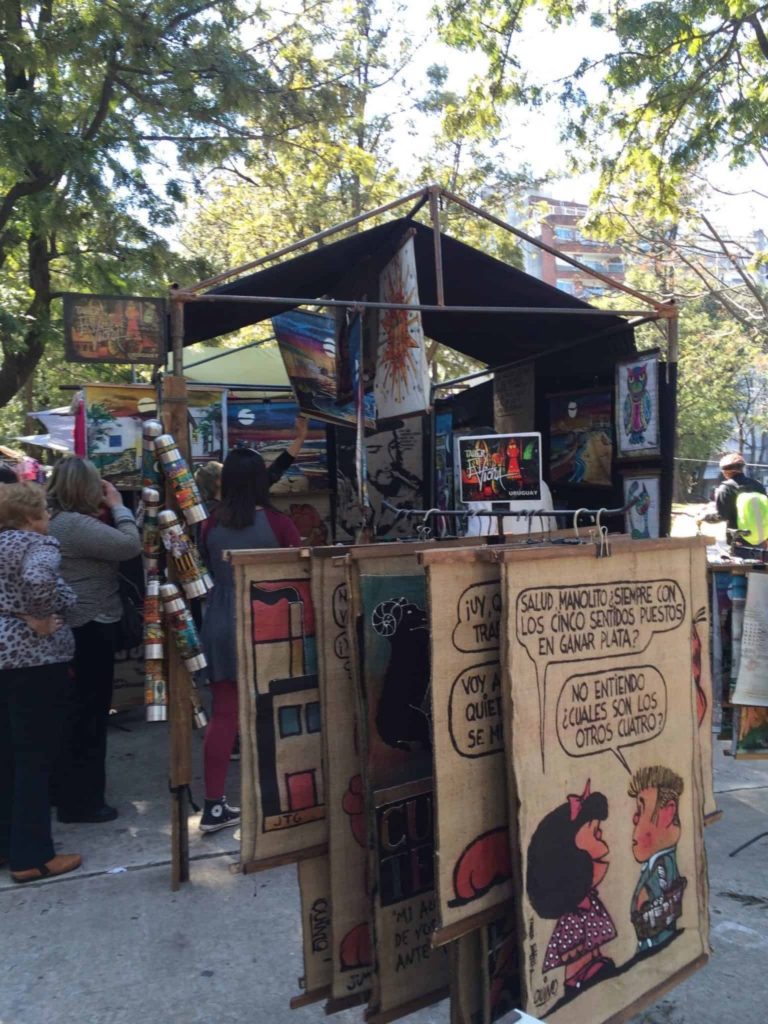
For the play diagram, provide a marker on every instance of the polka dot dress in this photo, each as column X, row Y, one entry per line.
column 585, row 928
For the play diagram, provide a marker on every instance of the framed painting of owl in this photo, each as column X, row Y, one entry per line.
column 637, row 407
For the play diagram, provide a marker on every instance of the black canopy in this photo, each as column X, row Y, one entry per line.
column 471, row 277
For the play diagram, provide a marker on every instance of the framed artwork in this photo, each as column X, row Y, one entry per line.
column 637, row 406
column 113, row 417
column 402, row 385
column 208, row 425
column 642, row 492
column 499, row 467
column 580, row 438
column 268, row 427
column 115, row 329
column 308, row 347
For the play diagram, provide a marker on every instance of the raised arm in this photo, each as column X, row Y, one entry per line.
column 94, row 539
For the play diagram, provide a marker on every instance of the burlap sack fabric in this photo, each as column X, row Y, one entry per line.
column 315, row 894
column 473, row 870
column 389, row 640
column 283, row 800
column 345, row 796
column 605, row 776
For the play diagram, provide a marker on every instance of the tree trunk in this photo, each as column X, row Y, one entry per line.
column 19, row 363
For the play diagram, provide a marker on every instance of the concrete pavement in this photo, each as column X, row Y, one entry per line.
column 112, row 947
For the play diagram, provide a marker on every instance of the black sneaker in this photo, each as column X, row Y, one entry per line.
column 217, row 814
column 235, row 755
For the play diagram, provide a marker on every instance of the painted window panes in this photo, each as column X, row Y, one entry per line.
column 313, row 716
column 290, row 720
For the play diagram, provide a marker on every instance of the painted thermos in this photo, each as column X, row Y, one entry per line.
column 154, row 635
column 150, row 531
column 181, row 626
column 155, row 691
column 192, row 574
column 177, row 473
column 150, row 471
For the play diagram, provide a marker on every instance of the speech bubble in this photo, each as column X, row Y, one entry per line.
column 592, row 621
column 478, row 618
column 611, row 709
column 475, row 718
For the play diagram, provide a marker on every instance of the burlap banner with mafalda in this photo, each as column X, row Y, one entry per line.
column 606, row 782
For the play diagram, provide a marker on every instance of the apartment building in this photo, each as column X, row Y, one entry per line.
column 556, row 222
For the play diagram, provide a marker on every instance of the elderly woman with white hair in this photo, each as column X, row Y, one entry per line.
column 35, row 649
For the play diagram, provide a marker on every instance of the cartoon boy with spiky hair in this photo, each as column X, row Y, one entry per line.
column 657, row 901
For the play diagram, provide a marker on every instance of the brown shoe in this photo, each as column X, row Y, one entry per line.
column 58, row 865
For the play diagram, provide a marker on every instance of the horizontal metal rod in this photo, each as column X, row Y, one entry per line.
column 294, row 300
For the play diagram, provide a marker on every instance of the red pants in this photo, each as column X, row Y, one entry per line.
column 220, row 738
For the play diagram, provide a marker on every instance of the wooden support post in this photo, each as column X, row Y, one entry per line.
column 174, row 409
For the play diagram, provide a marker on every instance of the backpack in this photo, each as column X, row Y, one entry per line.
column 752, row 516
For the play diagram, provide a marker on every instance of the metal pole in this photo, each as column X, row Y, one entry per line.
column 317, row 237
column 669, row 422
column 550, row 249
column 303, row 300
column 434, row 214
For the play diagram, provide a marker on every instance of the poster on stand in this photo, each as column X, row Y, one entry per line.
column 269, row 426
column 473, row 864
column 402, row 384
column 642, row 498
column 208, row 425
column 352, row 954
column 606, row 763
column 115, row 329
column 283, row 805
column 499, row 467
column 113, row 417
column 411, row 973
column 396, row 474
column 581, row 438
column 308, row 347
column 315, row 895
column 637, row 407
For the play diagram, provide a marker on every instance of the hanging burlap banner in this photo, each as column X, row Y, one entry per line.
column 347, row 822
column 389, row 641
column 315, row 893
column 411, row 973
column 473, row 864
column 605, row 778
column 283, row 801
column 701, row 669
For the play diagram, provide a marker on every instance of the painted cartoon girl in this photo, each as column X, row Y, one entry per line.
column 567, row 861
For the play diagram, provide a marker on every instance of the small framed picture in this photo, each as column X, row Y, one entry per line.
column 581, row 438
column 637, row 407
column 642, row 497
column 115, row 329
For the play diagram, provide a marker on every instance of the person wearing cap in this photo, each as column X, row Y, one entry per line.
column 736, row 482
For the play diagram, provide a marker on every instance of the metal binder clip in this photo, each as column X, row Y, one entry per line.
column 603, row 547
column 576, row 515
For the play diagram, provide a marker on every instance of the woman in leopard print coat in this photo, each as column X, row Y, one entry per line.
column 35, row 648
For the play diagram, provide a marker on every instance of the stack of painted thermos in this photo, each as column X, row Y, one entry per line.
column 166, row 611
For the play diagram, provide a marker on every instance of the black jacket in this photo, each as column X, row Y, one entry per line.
column 728, row 491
